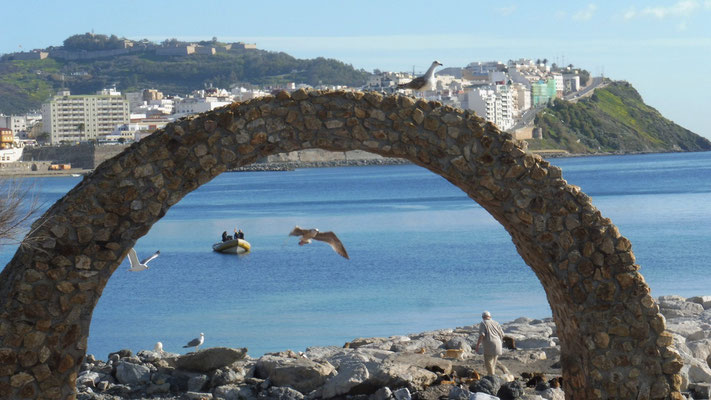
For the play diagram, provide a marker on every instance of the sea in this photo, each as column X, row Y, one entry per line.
column 423, row 255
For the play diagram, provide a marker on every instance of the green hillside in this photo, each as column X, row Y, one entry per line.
column 25, row 84
column 613, row 120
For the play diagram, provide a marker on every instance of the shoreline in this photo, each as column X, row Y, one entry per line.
column 424, row 366
column 292, row 165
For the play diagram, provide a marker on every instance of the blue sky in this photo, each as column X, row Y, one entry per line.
column 662, row 47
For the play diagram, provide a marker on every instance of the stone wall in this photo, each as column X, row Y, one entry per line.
column 613, row 339
column 86, row 156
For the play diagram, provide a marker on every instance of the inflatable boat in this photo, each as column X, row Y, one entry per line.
column 237, row 246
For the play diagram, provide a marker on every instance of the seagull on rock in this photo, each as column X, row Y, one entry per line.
column 328, row 237
column 139, row 266
column 196, row 342
column 424, row 82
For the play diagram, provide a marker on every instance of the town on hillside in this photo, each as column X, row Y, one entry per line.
column 507, row 94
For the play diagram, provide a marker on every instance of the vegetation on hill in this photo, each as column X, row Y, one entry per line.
column 25, row 84
column 613, row 120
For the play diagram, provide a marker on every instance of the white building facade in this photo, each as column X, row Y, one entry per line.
column 493, row 103
column 80, row 118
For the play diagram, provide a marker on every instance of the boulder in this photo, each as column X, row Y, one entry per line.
column 458, row 343
column 383, row 393
column 482, row 396
column 158, row 388
column 197, row 383
column 210, row 359
column 700, row 390
column 690, row 329
column 434, row 364
column 489, row 384
column 535, row 342
column 552, row 394
column 510, row 390
column 457, row 393
column 227, row 376
column 132, row 374
column 283, row 393
column 301, row 374
column 349, row 376
column 234, row 392
column 399, row 375
column 402, row 394
column 88, row 378
column 705, row 301
column 700, row 349
column 426, row 344
column 677, row 306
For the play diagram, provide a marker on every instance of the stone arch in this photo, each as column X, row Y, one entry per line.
column 613, row 338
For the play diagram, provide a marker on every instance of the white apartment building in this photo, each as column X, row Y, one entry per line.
column 80, row 118
column 494, row 103
column 15, row 123
column 559, row 84
column 571, row 82
column 521, row 97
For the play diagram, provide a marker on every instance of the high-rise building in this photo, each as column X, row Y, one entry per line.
column 494, row 103
column 80, row 118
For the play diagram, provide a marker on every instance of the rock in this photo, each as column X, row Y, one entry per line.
column 535, row 342
column 148, row 356
column 510, row 390
column 88, row 378
column 283, row 393
column 197, row 383
column 349, row 376
column 121, row 354
column 700, row 390
column 482, row 396
column 227, row 376
column 700, row 349
column 197, row 396
column 705, row 301
column 552, row 394
column 384, row 393
column 677, row 306
column 302, row 374
column 402, row 394
column 132, row 374
column 156, row 389
column 210, row 359
column 689, row 329
column 458, row 343
column 235, row 392
column 457, row 393
column 488, row 384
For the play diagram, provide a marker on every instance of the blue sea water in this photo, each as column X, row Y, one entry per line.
column 423, row 255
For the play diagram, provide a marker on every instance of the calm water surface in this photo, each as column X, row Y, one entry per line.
column 423, row 255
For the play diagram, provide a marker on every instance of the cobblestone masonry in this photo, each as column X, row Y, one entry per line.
column 613, row 338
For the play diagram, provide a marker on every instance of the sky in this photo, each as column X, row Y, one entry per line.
column 662, row 47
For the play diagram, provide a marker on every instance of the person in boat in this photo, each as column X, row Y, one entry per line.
column 239, row 234
column 225, row 236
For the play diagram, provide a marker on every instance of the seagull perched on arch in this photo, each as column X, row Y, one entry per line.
column 329, row 237
column 139, row 265
column 424, row 82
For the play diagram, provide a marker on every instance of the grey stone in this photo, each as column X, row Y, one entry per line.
column 197, row 383
column 482, row 396
column 402, row 394
column 384, row 393
column 457, row 393
column 349, row 376
column 198, row 395
column 210, row 359
column 283, row 393
column 235, row 392
column 510, row 390
column 132, row 374
column 700, row 390
column 489, row 384
column 301, row 374
column 158, row 388
column 705, row 301
column 88, row 378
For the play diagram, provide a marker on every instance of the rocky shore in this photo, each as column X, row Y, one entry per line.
column 430, row 365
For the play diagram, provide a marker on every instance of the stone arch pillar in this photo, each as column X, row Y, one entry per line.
column 613, row 339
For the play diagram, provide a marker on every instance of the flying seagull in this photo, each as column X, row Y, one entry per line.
column 139, row 266
column 328, row 237
column 196, row 342
column 424, row 82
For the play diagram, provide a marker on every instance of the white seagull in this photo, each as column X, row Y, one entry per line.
column 139, row 266
column 424, row 82
column 328, row 237
column 196, row 342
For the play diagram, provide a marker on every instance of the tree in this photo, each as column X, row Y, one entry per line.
column 16, row 209
column 80, row 128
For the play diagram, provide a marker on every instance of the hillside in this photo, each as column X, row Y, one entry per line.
column 25, row 84
column 613, row 120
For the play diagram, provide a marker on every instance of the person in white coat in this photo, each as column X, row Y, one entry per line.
column 491, row 334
